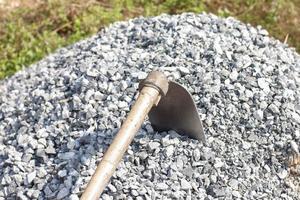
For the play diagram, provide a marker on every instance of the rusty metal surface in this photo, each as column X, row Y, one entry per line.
column 177, row 111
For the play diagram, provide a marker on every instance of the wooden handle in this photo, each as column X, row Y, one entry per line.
column 148, row 96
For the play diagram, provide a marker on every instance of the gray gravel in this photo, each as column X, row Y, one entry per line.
column 58, row 116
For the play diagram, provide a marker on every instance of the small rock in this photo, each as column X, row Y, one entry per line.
column 267, row 168
column 263, row 84
column 259, row 115
column 297, row 134
column 98, row 96
column 218, row 163
column 65, row 114
column 124, row 85
column 62, row 173
column 213, row 178
column 234, row 75
column 196, row 154
column 153, row 145
column 249, row 93
column 141, row 75
column 50, row 150
column 112, row 188
column 296, row 117
column 274, row 108
column 188, row 172
column 147, row 174
column 92, row 72
column 282, row 174
column 183, row 70
column 107, row 197
column 134, row 193
column 185, row 185
column 236, row 194
column 30, row 177
column 73, row 197
column 149, row 128
column 217, row 46
column 169, row 151
column 294, row 146
column 246, row 145
column 64, row 192
column 143, row 155
column 263, row 105
column 162, row 186
column 219, row 191
column 66, row 155
column 263, row 32
column 20, row 196
column 234, row 184
column 41, row 172
column 122, row 104
column 21, row 139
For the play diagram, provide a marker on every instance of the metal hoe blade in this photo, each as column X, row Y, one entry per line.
column 177, row 111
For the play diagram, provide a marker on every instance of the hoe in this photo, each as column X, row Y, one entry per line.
column 169, row 107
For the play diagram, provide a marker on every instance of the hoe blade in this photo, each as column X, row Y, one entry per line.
column 177, row 111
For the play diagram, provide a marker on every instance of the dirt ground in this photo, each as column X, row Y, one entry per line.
column 8, row 5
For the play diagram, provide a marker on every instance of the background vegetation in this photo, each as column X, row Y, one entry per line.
column 30, row 29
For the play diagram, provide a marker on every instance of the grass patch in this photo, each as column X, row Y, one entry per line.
column 29, row 32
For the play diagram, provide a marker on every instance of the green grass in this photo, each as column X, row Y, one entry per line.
column 28, row 33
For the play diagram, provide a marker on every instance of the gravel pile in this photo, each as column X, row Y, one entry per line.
column 58, row 116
